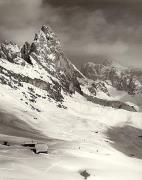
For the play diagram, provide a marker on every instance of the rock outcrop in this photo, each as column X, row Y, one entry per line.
column 46, row 54
column 46, row 50
column 43, row 67
column 9, row 51
column 121, row 78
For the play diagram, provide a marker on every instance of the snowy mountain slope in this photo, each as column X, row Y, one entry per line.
column 85, row 142
column 122, row 78
column 42, row 65
column 98, row 92
column 44, row 99
column 117, row 82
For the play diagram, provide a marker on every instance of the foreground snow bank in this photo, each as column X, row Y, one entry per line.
column 76, row 138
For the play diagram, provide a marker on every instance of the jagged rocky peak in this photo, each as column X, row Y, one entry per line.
column 46, row 50
column 95, row 69
column 107, row 62
column 25, row 52
column 45, row 66
column 118, row 76
column 46, row 37
column 9, row 50
column 45, row 43
column 102, row 69
column 49, row 47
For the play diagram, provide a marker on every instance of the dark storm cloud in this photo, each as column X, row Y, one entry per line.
column 105, row 20
column 85, row 3
column 111, row 27
column 85, row 27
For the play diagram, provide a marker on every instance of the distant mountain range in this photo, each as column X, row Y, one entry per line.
column 122, row 78
column 43, row 65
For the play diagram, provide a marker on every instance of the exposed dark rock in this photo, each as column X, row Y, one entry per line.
column 113, row 104
column 9, row 51
column 46, row 53
column 84, row 173
column 29, row 145
column 47, row 47
column 5, row 143
column 25, row 52
column 98, row 86
column 121, row 78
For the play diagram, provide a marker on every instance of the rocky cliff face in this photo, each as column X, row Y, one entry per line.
column 9, row 51
column 44, row 54
column 46, row 50
column 40, row 71
column 119, row 77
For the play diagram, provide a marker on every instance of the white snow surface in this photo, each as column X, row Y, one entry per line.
column 35, row 71
column 76, row 138
column 105, row 142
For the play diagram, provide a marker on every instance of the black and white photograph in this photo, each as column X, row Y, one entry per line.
column 70, row 89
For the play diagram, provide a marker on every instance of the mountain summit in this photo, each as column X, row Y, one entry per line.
column 42, row 66
column 41, row 63
column 121, row 78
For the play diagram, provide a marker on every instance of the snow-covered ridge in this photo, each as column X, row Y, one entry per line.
column 122, row 78
column 43, row 65
column 43, row 62
column 45, row 99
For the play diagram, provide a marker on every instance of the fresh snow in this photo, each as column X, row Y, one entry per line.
column 28, row 70
column 81, row 137
column 76, row 138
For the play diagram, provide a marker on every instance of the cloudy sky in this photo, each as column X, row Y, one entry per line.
column 87, row 28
